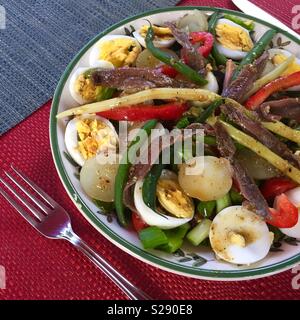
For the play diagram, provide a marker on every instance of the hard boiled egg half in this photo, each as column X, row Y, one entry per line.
column 277, row 56
column 89, row 135
column 171, row 197
column 119, row 50
column 212, row 84
column 239, row 236
column 233, row 40
column 163, row 37
column 294, row 196
column 81, row 86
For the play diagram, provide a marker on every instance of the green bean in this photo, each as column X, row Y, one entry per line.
column 210, row 141
column 169, row 60
column 149, row 185
column 220, row 59
column 183, row 123
column 249, row 26
column 212, row 22
column 256, row 51
column 236, row 197
column 123, row 171
column 209, row 111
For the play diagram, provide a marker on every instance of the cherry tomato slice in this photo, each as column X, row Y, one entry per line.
column 137, row 222
column 168, row 71
column 206, row 39
column 276, row 186
column 284, row 214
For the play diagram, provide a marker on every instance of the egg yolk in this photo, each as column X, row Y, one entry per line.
column 120, row 52
column 292, row 68
column 160, row 33
column 233, row 37
column 173, row 199
column 85, row 87
column 237, row 239
column 92, row 135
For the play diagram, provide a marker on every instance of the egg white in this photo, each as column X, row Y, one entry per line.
column 151, row 217
column 157, row 43
column 71, row 136
column 212, row 84
column 294, row 196
column 226, row 221
column 286, row 53
column 169, row 175
column 95, row 52
column 103, row 64
column 229, row 53
column 79, row 71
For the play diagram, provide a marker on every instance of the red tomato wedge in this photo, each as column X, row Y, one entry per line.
column 137, row 222
column 206, row 40
column 168, row 71
column 275, row 186
column 284, row 214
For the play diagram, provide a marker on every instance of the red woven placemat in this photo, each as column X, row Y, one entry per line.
column 37, row 268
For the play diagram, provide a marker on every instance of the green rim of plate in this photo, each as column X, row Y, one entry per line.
column 106, row 231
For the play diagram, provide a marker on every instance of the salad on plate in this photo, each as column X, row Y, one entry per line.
column 189, row 131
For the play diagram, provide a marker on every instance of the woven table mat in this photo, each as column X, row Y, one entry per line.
column 38, row 268
column 39, row 40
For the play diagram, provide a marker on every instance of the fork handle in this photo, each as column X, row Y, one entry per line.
column 124, row 284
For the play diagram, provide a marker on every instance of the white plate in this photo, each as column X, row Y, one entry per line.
column 194, row 262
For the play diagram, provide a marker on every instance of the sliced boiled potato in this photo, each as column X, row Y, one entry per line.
column 256, row 166
column 97, row 179
column 194, row 21
column 206, row 178
column 146, row 60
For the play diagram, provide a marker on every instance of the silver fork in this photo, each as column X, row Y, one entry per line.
column 54, row 222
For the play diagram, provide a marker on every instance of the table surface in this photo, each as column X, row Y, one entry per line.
column 38, row 268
